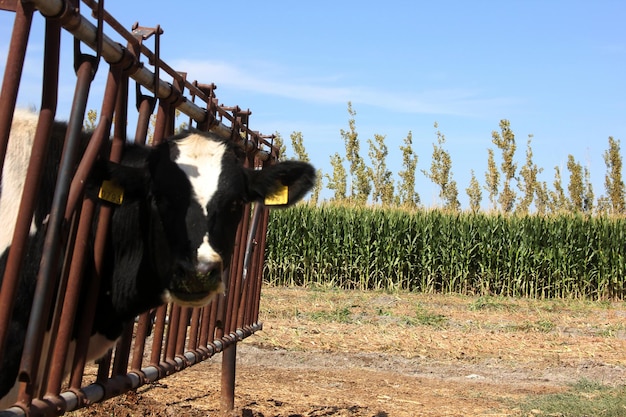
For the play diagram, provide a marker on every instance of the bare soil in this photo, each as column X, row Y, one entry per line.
column 375, row 354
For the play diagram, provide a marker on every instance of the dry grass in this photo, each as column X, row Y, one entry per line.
column 363, row 354
column 444, row 327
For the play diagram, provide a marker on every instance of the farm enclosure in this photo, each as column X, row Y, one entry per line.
column 181, row 336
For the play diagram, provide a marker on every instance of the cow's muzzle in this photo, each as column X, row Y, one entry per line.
column 197, row 286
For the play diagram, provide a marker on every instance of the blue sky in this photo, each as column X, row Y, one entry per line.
column 555, row 69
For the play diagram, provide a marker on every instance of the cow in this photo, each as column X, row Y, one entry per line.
column 170, row 236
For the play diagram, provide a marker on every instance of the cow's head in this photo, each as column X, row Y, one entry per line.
column 187, row 199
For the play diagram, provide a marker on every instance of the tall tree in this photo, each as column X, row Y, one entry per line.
column 528, row 184
column 613, row 183
column 474, row 193
column 441, row 173
column 317, row 188
column 90, row 122
column 297, row 143
column 558, row 201
column 337, row 182
column 588, row 196
column 505, row 141
column 492, row 179
column 575, row 188
column 542, row 198
column 360, row 186
column 407, row 195
column 382, row 178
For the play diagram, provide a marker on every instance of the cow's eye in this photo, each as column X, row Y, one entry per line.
column 236, row 206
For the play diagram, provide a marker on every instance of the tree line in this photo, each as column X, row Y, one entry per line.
column 507, row 188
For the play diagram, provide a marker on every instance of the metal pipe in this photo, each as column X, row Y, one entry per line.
column 100, row 134
column 185, row 314
column 122, row 351
column 113, row 52
column 172, row 332
column 13, row 72
column 100, row 391
column 229, row 363
column 157, row 338
column 141, row 333
column 43, row 291
column 247, row 263
column 8, row 98
column 55, row 224
column 259, row 270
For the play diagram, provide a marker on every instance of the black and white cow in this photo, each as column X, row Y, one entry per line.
column 169, row 239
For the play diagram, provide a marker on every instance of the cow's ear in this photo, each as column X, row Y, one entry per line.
column 281, row 184
column 112, row 182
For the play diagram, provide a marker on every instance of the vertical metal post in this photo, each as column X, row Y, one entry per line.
column 141, row 333
column 8, row 98
column 100, row 134
column 43, row 297
column 50, row 256
column 13, row 73
column 229, row 360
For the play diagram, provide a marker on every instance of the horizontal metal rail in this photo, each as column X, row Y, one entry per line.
column 97, row 392
column 116, row 54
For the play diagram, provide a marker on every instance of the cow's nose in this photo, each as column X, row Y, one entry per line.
column 198, row 285
column 207, row 268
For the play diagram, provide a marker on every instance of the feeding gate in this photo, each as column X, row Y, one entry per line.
column 162, row 341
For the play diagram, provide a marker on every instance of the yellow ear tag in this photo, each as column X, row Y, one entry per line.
column 111, row 192
column 279, row 198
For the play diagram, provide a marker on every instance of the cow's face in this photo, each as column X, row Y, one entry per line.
column 201, row 221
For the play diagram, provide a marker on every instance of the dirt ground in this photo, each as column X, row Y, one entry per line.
column 375, row 354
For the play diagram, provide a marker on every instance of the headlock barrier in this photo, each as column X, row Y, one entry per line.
column 162, row 341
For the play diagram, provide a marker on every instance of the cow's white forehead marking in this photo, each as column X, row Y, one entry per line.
column 201, row 159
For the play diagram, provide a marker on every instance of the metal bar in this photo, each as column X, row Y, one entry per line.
column 68, row 162
column 172, row 331
column 259, row 269
column 122, row 351
column 141, row 333
column 235, row 273
column 220, row 311
column 229, row 362
column 101, row 390
column 43, row 290
column 9, row 6
column 192, row 343
column 247, row 264
column 13, row 72
column 208, row 323
column 100, row 134
column 114, row 53
column 78, row 365
column 157, row 338
column 229, row 355
column 234, row 291
column 8, row 98
column 185, row 313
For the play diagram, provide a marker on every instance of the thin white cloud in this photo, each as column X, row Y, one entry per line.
column 277, row 82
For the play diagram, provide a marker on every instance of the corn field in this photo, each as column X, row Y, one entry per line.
column 565, row 256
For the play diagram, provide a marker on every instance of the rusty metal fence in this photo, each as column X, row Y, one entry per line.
column 169, row 338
